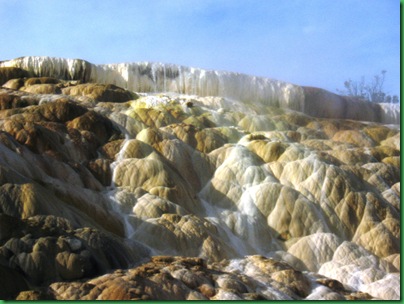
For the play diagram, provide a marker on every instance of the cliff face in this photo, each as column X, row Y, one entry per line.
column 159, row 77
column 191, row 197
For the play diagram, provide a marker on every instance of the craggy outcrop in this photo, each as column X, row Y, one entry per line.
column 7, row 73
column 159, row 77
column 177, row 278
column 110, row 194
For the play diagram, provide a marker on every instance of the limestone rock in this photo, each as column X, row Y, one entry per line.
column 101, row 169
column 100, row 92
column 315, row 250
column 42, row 89
column 7, row 73
column 354, row 266
column 111, row 148
column 72, row 266
column 98, row 178
column 180, row 278
column 172, row 233
column 12, row 282
column 14, row 84
column 13, row 100
column 48, row 249
column 158, row 77
column 95, row 123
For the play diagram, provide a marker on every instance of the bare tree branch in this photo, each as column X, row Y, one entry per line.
column 372, row 92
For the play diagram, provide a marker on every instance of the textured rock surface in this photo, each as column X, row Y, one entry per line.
column 176, row 278
column 43, row 249
column 159, row 77
column 7, row 73
column 261, row 202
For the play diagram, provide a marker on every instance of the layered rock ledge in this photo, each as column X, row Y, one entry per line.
column 159, row 77
column 110, row 193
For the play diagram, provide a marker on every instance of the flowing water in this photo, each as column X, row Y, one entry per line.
column 230, row 170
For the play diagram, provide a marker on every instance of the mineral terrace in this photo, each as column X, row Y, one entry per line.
column 152, row 181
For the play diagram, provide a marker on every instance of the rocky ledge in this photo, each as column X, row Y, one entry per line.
column 107, row 193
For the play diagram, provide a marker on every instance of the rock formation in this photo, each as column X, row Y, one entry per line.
column 109, row 190
column 159, row 77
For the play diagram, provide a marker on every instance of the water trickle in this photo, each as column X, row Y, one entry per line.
column 112, row 192
column 181, row 80
column 215, row 216
column 154, row 78
column 165, row 78
column 115, row 203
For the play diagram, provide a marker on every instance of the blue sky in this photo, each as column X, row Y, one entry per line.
column 308, row 42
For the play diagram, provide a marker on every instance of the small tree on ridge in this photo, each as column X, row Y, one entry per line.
column 372, row 92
